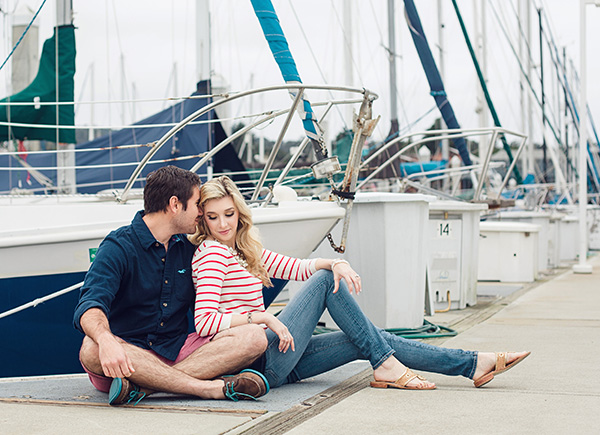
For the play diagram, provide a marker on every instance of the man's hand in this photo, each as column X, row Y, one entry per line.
column 113, row 358
column 111, row 353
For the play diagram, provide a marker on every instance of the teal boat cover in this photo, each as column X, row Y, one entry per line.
column 44, row 89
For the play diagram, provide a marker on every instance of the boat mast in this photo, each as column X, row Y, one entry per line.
column 65, row 161
column 25, row 59
column 203, row 60
column 348, row 52
column 480, row 50
column 442, row 59
column 582, row 266
column 394, row 127
column 544, row 145
column 566, row 113
column 531, row 148
column 526, row 102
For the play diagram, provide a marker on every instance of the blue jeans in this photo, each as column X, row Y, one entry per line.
column 358, row 339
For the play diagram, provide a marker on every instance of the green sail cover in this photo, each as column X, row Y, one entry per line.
column 44, row 87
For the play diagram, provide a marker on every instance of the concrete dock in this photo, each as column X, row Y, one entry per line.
column 554, row 391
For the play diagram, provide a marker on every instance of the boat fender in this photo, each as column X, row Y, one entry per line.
column 284, row 193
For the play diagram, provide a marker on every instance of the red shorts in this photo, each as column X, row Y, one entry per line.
column 193, row 342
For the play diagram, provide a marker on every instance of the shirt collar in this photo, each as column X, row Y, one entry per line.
column 143, row 232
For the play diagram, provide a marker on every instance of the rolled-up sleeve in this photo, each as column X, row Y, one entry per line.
column 102, row 281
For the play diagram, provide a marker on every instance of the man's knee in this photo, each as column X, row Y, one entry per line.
column 88, row 355
column 252, row 339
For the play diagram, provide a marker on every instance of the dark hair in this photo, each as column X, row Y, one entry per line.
column 166, row 182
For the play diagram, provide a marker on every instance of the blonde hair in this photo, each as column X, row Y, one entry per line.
column 247, row 241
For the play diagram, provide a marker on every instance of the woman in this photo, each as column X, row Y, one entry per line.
column 230, row 268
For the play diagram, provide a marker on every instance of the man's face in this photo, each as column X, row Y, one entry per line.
column 186, row 220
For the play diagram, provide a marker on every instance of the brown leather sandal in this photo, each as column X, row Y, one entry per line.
column 501, row 367
column 401, row 382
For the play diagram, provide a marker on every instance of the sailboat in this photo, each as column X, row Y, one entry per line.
column 49, row 238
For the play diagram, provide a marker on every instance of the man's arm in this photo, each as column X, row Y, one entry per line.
column 113, row 358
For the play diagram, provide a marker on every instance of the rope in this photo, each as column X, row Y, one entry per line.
column 80, row 150
column 486, row 93
column 105, row 165
column 143, row 100
column 530, row 84
column 317, row 63
column 23, row 35
column 403, row 130
column 38, row 301
column 119, row 127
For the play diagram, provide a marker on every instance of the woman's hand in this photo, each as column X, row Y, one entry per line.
column 342, row 269
column 285, row 338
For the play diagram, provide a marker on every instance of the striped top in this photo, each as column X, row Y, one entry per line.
column 224, row 287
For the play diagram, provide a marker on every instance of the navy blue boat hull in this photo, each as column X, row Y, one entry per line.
column 40, row 340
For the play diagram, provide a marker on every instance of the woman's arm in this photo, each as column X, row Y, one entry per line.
column 209, row 268
column 341, row 269
column 284, row 267
column 281, row 266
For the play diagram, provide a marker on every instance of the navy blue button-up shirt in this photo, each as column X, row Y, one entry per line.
column 144, row 290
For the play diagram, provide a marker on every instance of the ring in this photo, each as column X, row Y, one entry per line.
column 356, row 276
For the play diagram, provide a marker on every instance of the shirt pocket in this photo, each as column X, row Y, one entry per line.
column 183, row 288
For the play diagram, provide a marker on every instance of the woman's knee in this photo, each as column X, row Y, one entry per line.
column 324, row 276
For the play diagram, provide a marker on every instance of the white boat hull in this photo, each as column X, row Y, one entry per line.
column 48, row 237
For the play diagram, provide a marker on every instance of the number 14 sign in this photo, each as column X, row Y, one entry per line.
column 444, row 229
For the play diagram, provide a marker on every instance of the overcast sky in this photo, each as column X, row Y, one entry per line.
column 154, row 38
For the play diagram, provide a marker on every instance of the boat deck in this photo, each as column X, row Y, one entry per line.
column 556, row 390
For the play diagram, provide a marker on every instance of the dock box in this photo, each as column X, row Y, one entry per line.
column 453, row 253
column 508, row 251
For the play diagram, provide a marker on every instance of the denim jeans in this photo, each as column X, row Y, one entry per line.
column 358, row 339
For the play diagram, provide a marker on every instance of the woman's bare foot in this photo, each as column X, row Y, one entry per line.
column 391, row 370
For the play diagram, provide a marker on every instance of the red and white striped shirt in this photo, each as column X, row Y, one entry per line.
column 224, row 287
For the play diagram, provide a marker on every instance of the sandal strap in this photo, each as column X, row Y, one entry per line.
column 501, row 360
column 407, row 377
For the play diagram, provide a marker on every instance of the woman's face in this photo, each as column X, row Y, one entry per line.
column 221, row 217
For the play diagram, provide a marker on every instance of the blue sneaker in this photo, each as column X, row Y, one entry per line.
column 246, row 385
column 122, row 391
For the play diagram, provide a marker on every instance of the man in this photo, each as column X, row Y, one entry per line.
column 134, row 303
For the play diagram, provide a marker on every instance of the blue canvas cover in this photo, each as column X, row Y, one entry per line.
column 433, row 77
column 191, row 140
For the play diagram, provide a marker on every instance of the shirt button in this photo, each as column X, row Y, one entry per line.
column 163, row 260
column 165, row 304
column 166, row 281
column 150, row 343
column 162, row 323
column 157, row 244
